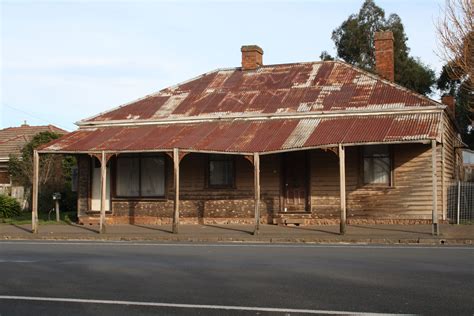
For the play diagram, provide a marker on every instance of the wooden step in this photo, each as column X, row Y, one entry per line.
column 283, row 221
column 89, row 220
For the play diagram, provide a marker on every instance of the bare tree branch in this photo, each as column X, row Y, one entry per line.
column 455, row 30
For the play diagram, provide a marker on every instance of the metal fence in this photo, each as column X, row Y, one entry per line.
column 461, row 202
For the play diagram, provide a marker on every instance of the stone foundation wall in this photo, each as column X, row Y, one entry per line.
column 83, row 183
column 190, row 211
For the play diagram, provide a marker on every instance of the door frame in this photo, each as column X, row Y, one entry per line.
column 307, row 181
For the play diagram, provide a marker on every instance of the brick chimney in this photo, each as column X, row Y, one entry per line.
column 384, row 62
column 450, row 102
column 251, row 57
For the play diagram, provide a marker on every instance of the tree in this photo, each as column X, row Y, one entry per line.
column 325, row 56
column 354, row 40
column 456, row 48
column 456, row 41
column 463, row 95
column 54, row 172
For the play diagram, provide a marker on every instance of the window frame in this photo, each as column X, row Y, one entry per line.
column 391, row 182
column 208, row 184
column 114, row 194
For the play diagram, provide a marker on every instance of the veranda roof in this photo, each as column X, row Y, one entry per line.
column 249, row 136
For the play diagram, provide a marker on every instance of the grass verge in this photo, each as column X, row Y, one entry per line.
column 43, row 218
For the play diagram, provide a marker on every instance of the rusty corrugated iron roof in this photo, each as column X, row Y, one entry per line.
column 290, row 88
column 248, row 136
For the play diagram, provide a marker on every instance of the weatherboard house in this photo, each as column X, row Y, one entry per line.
column 302, row 143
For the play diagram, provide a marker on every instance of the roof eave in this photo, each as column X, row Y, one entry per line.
column 412, row 141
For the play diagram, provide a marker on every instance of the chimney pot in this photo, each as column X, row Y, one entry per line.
column 251, row 57
column 384, row 55
column 450, row 101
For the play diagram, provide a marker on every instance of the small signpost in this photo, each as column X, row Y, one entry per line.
column 56, row 198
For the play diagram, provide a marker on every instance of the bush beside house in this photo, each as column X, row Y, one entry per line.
column 9, row 207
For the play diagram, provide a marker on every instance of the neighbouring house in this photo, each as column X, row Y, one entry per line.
column 301, row 143
column 12, row 140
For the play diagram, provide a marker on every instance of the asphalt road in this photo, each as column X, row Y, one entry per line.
column 126, row 278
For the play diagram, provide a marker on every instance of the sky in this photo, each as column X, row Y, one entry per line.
column 63, row 61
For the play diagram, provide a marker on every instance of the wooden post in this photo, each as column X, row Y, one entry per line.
column 342, row 184
column 435, row 228
column 57, row 210
column 176, row 190
column 458, row 204
column 256, row 166
column 34, row 197
column 444, row 200
column 103, row 191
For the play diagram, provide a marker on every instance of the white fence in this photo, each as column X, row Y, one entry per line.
column 461, row 202
column 5, row 189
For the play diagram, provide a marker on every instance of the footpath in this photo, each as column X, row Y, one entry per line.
column 358, row 234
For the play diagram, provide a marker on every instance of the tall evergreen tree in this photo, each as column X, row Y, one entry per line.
column 354, row 40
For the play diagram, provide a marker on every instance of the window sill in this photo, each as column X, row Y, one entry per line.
column 372, row 187
column 90, row 212
column 220, row 187
column 139, row 199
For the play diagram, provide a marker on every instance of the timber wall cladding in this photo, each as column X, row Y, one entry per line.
column 449, row 139
column 409, row 199
column 199, row 201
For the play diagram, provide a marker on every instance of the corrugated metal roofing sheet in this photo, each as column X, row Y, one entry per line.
column 247, row 136
column 289, row 88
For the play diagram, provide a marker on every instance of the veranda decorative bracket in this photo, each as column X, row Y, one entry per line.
column 249, row 158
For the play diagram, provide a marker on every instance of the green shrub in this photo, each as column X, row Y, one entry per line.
column 9, row 207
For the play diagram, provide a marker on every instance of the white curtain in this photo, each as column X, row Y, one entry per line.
column 377, row 170
column 153, row 176
column 377, row 164
column 128, row 176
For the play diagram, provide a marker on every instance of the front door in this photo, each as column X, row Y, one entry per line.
column 96, row 187
column 295, row 182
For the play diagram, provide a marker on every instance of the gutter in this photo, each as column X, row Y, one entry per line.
column 184, row 150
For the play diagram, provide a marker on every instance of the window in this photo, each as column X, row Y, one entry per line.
column 221, row 171
column 377, row 165
column 140, row 176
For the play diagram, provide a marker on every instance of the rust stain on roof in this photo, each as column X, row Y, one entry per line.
column 269, row 109
column 245, row 136
column 290, row 88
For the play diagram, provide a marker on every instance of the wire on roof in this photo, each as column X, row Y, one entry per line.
column 36, row 117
